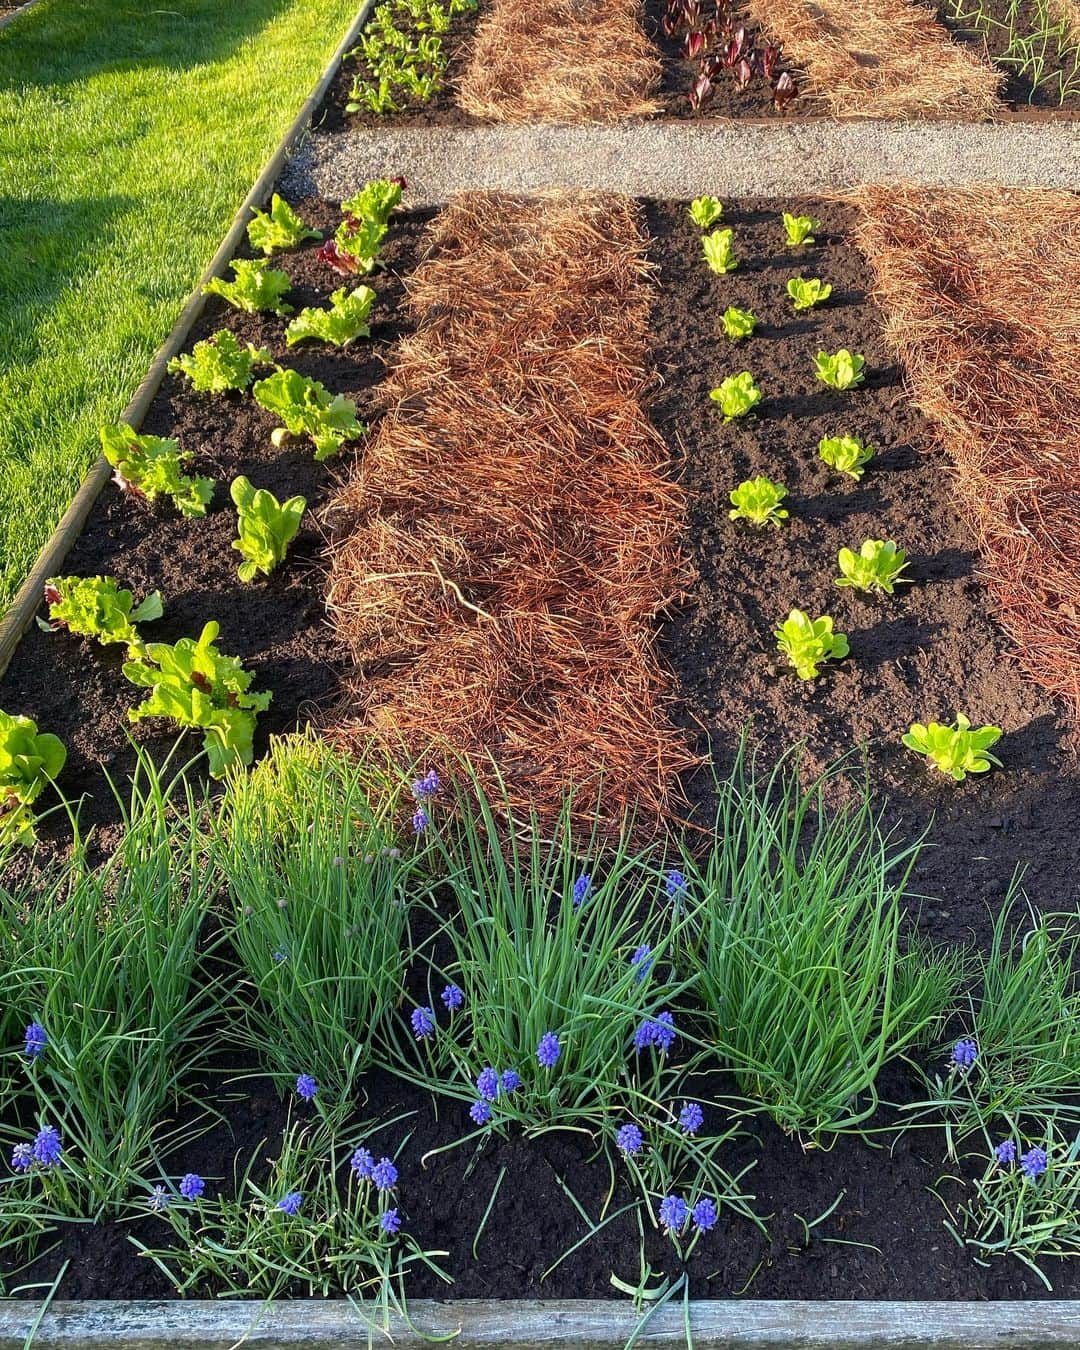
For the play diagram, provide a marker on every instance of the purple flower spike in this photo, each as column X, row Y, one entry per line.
column 658, row 1031
column 453, row 997
column 487, row 1084
column 1005, row 1153
column 704, row 1215
column 582, row 889
column 158, row 1200
column 384, row 1175
column 673, row 1213
column 511, row 1080
column 480, row 1112
column 423, row 1023
column 642, row 959
column 362, row 1164
column 290, row 1204
column 427, row 787
column 691, row 1118
column 306, row 1087
column 47, row 1147
column 420, row 820
column 36, row 1040
column 675, row 885
column 22, row 1157
column 390, row 1222
column 192, row 1186
column 1033, row 1163
column 964, row 1054
column 549, row 1050
column 628, row 1140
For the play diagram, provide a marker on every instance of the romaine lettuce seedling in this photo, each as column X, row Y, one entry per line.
column 266, row 526
column 149, row 467
column 220, row 363
column 307, row 408
column 706, row 211
column 876, row 566
column 957, row 750
column 798, row 229
column 342, row 323
column 737, row 323
column 28, row 760
column 808, row 642
column 806, row 292
column 278, row 228
column 718, row 251
column 375, row 200
column 96, row 607
column 846, row 454
column 737, row 395
column 194, row 685
column 841, row 370
column 256, row 287
column 758, row 501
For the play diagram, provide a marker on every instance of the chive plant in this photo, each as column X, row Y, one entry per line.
column 317, row 912
column 103, row 975
column 795, row 926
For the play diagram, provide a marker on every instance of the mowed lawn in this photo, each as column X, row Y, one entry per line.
column 129, row 135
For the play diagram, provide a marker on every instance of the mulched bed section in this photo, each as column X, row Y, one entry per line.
column 443, row 109
column 916, row 654
column 278, row 624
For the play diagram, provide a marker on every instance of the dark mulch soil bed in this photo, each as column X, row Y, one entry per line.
column 440, row 109
column 278, row 625
column 1019, row 92
column 918, row 655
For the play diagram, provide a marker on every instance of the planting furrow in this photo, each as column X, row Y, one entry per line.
column 560, row 60
column 995, row 365
column 512, row 532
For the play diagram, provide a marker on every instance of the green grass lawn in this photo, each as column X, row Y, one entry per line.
column 129, row 135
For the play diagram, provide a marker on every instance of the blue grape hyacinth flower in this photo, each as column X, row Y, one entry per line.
column 704, row 1215
column 192, row 1186
column 642, row 960
column 290, row 1204
column 35, row 1039
column 487, row 1084
column 22, row 1157
column 480, row 1112
column 47, row 1146
column 423, row 1023
column 453, row 997
column 549, row 1050
column 964, row 1054
column 384, row 1175
column 691, row 1118
column 362, row 1164
column 1033, row 1163
column 427, row 787
column 420, row 820
column 582, row 889
column 628, row 1140
column 390, row 1222
column 306, row 1087
column 1005, row 1153
column 673, row 1213
column 511, row 1080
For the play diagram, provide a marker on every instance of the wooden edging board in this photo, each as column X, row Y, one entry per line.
column 49, row 562
column 582, row 1324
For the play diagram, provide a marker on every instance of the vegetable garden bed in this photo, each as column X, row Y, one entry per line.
column 845, row 1220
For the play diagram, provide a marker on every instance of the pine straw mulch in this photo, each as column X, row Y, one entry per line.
column 979, row 287
column 512, row 532
column 879, row 58
column 560, row 61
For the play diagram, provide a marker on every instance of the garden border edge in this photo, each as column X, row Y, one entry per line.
column 20, row 613
column 576, row 1324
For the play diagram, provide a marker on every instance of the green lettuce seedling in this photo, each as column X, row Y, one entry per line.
column 957, row 750
column 806, row 292
column 307, row 408
column 808, row 642
column 737, row 395
column 96, row 607
column 758, row 501
column 194, row 685
column 846, row 454
column 220, row 363
column 841, row 370
column 149, row 467
column 718, row 251
column 279, row 228
column 266, row 526
column 738, row 323
column 342, row 323
column 29, row 759
column 256, row 287
column 876, row 566
column 798, row 229
column 706, row 211
column 375, row 200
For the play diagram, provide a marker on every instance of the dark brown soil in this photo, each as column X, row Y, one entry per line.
column 443, row 108
column 278, row 625
column 930, row 650
column 1019, row 92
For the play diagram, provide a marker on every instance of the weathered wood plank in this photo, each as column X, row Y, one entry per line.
column 541, row 1325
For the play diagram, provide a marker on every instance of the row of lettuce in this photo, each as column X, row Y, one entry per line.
column 325, row 919
column 191, row 683
column 805, row 642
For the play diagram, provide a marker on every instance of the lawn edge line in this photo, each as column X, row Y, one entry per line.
column 20, row 613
